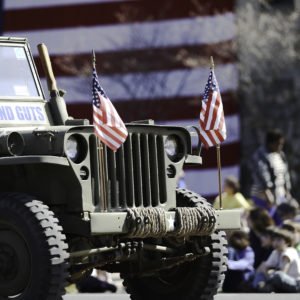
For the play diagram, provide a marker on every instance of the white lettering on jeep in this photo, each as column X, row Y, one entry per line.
column 23, row 113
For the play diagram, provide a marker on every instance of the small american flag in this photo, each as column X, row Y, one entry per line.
column 212, row 121
column 108, row 125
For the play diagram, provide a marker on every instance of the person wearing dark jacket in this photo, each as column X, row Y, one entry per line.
column 258, row 221
column 271, row 180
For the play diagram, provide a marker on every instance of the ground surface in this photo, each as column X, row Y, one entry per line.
column 107, row 296
column 121, row 295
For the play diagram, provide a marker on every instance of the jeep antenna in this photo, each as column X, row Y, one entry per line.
column 102, row 172
column 212, row 66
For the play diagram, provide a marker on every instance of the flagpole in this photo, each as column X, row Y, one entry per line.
column 102, row 172
column 212, row 66
column 219, row 175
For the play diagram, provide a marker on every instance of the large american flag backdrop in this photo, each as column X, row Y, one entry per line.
column 153, row 60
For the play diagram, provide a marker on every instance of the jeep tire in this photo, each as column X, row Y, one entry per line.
column 33, row 252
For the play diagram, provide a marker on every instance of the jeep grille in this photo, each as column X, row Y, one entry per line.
column 136, row 172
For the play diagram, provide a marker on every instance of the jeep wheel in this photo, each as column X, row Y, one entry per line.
column 199, row 279
column 32, row 250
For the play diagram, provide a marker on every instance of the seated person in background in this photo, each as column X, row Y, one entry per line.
column 293, row 227
column 240, row 262
column 232, row 198
column 266, row 240
column 283, row 212
column 94, row 284
column 281, row 272
column 258, row 220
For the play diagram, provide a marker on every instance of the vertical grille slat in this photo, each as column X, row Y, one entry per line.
column 161, row 170
column 154, row 169
column 145, row 170
column 121, row 176
column 129, row 171
column 137, row 169
column 112, row 182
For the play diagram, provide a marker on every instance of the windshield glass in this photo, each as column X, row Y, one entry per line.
column 16, row 78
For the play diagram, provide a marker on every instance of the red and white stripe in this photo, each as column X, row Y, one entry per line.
column 212, row 122
column 108, row 125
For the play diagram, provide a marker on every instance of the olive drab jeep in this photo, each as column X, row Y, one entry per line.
column 65, row 209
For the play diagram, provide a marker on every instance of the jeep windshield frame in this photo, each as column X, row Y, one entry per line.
column 19, row 80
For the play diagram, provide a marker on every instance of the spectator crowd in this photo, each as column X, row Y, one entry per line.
column 264, row 256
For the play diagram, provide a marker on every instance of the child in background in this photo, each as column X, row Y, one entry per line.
column 293, row 227
column 240, row 262
column 258, row 221
column 266, row 239
column 284, row 211
column 281, row 272
column 232, row 198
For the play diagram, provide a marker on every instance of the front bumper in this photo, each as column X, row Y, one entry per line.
column 115, row 222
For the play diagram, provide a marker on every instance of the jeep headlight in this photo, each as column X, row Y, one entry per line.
column 72, row 148
column 174, row 148
column 76, row 148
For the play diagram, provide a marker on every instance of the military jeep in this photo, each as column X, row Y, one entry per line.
column 61, row 216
